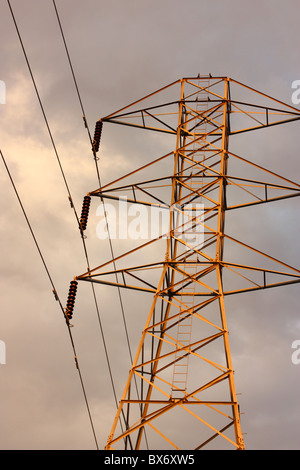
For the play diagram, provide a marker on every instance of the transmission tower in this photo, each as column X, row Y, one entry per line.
column 180, row 392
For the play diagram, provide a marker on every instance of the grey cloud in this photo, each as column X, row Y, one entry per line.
column 120, row 52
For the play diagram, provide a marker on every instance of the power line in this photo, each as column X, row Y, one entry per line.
column 77, row 88
column 98, row 175
column 65, row 181
column 70, row 198
column 41, row 106
column 64, row 177
column 54, row 291
column 99, row 182
column 95, row 156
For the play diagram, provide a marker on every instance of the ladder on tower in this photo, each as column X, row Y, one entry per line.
column 183, row 341
column 185, row 319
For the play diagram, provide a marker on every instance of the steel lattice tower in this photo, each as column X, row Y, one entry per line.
column 180, row 391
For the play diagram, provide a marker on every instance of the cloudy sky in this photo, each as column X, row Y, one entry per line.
column 122, row 50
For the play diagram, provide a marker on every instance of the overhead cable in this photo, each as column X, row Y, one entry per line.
column 55, row 293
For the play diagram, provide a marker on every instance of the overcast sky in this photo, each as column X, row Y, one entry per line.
column 122, row 50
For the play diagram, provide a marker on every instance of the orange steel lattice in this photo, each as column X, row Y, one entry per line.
column 180, row 391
